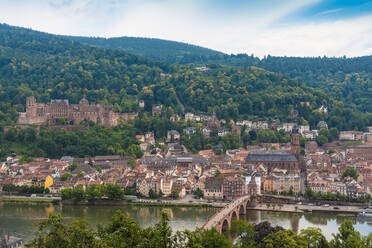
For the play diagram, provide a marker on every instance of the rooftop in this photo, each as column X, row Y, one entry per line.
column 270, row 156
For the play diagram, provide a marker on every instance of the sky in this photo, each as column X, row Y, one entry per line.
column 259, row 27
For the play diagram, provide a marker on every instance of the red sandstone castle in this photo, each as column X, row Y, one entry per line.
column 48, row 113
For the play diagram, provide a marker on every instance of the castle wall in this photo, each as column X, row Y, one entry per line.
column 47, row 114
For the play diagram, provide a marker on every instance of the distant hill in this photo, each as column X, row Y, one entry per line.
column 345, row 79
column 49, row 66
column 171, row 52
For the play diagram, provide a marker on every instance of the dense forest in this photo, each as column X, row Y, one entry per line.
column 345, row 79
column 171, row 52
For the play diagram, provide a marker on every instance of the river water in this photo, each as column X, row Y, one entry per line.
column 21, row 219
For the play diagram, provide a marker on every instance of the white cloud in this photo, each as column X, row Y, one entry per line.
column 337, row 38
column 252, row 28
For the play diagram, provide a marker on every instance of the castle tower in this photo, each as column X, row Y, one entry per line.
column 295, row 143
column 31, row 106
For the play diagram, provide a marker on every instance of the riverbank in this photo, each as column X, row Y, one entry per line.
column 284, row 208
column 338, row 210
column 29, row 200
column 138, row 203
column 169, row 204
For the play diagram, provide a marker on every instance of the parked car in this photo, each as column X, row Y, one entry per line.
column 326, row 205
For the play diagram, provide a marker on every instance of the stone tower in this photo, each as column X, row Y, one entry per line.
column 31, row 107
column 295, row 144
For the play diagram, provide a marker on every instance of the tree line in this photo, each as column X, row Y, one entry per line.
column 122, row 231
column 93, row 192
column 24, row 189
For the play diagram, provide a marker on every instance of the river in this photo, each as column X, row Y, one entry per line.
column 21, row 219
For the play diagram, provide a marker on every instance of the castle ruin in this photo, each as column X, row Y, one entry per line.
column 49, row 113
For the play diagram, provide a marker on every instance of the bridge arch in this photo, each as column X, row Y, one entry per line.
column 225, row 225
column 234, row 216
column 242, row 210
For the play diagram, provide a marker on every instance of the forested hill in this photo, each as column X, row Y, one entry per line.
column 171, row 52
column 47, row 66
column 345, row 79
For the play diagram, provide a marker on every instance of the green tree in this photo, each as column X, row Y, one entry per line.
column 245, row 234
column 162, row 233
column 95, row 192
column 114, row 192
column 198, row 193
column 66, row 193
column 309, row 194
column 314, row 238
column 78, row 193
column 350, row 172
column 54, row 233
column 347, row 237
column 152, row 194
column 322, row 139
column 65, row 176
column 122, row 231
column 175, row 194
column 135, row 151
column 132, row 163
column 284, row 239
column 73, row 166
column 202, row 238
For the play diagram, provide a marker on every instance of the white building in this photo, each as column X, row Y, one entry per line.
column 257, row 179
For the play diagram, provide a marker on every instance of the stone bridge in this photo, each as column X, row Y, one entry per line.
column 222, row 219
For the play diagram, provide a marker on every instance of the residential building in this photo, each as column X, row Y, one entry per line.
column 173, row 135
column 166, row 186
column 233, row 187
column 286, row 181
column 213, row 188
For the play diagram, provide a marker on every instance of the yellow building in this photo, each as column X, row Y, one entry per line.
column 42, row 182
column 268, row 185
column 48, row 182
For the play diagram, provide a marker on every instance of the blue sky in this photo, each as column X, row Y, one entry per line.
column 261, row 27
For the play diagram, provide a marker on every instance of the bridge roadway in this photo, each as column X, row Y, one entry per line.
column 223, row 218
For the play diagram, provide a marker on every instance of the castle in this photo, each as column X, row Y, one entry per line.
column 49, row 113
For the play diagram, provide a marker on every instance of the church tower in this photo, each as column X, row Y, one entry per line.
column 295, row 143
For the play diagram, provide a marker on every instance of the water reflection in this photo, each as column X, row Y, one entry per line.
column 20, row 219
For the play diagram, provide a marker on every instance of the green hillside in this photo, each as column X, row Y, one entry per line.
column 171, row 52
column 345, row 79
column 47, row 66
